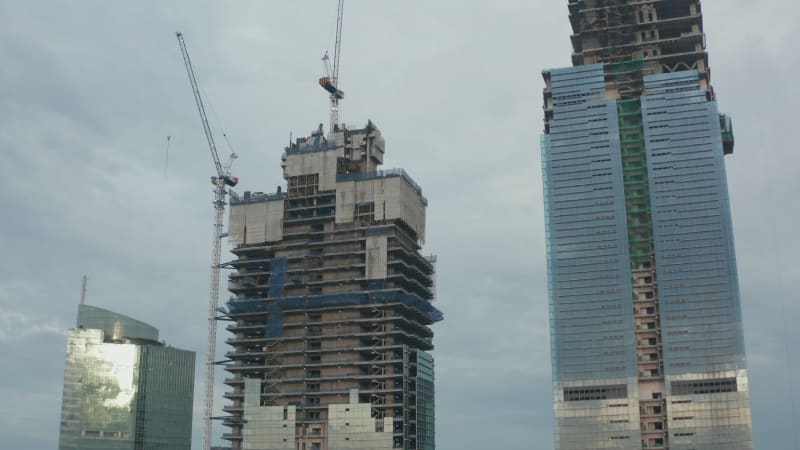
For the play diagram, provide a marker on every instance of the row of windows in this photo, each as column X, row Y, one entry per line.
column 687, row 143
column 596, row 393
column 696, row 387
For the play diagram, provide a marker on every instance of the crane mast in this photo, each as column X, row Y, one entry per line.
column 220, row 181
column 330, row 82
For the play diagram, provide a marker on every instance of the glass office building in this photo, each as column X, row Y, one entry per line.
column 646, row 330
column 123, row 389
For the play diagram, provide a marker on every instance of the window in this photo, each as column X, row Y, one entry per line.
column 303, row 185
column 697, row 387
column 364, row 213
column 595, row 392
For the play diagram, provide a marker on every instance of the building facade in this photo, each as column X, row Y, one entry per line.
column 123, row 389
column 646, row 327
column 331, row 305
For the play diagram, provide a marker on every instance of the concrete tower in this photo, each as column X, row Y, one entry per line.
column 332, row 304
column 646, row 327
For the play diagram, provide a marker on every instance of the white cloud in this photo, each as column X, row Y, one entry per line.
column 17, row 326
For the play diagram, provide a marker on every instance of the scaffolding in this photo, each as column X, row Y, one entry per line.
column 335, row 298
column 646, row 312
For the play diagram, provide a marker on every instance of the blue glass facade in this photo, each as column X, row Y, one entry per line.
column 588, row 267
column 646, row 335
column 703, row 341
column 426, row 417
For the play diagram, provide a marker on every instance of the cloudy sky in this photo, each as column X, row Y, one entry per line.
column 89, row 91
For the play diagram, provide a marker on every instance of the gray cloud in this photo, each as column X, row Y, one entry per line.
column 90, row 90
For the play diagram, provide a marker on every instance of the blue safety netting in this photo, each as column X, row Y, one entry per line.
column 240, row 306
column 277, row 279
column 274, row 320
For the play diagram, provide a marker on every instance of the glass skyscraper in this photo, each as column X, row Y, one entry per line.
column 123, row 389
column 645, row 319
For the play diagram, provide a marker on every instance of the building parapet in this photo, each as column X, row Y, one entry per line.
column 254, row 197
column 384, row 174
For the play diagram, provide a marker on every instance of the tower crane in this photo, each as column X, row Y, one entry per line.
column 221, row 181
column 330, row 82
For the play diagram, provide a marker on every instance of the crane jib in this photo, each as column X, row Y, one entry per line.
column 201, row 108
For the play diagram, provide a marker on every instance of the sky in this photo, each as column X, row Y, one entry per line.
column 90, row 90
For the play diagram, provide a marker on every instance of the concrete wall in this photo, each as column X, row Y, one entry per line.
column 393, row 199
column 322, row 162
column 376, row 257
column 352, row 427
column 266, row 427
column 253, row 223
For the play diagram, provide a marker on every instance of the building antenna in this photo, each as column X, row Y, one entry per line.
column 166, row 157
column 84, row 282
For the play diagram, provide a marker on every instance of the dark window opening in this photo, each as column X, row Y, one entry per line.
column 697, row 387
column 595, row 393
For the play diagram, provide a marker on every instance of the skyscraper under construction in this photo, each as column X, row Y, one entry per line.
column 332, row 304
column 646, row 327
